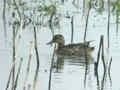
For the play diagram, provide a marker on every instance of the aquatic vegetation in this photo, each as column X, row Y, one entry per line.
column 37, row 14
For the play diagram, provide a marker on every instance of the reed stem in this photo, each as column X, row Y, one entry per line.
column 86, row 25
column 108, row 25
column 72, row 29
column 109, row 68
column 10, row 75
column 14, row 59
column 18, row 73
column 28, row 67
column 104, row 65
column 97, row 63
column 18, row 11
column 37, row 60
column 98, row 55
column 50, row 75
column 4, row 19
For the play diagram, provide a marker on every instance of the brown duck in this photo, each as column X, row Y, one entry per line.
column 78, row 49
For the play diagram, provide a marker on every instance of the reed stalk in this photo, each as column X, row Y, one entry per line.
column 14, row 51
column 37, row 60
column 15, row 47
column 14, row 58
column 50, row 74
column 4, row 19
column 97, row 63
column 18, row 73
column 103, row 55
column 98, row 84
column 86, row 25
column 104, row 65
column 85, row 51
column 17, row 8
column 10, row 75
column 51, row 22
column 98, row 55
column 72, row 29
column 28, row 66
column 109, row 68
column 17, row 41
column 108, row 24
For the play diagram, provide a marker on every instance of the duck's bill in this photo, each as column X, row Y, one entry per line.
column 50, row 43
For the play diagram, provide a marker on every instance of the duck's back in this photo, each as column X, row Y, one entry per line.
column 75, row 49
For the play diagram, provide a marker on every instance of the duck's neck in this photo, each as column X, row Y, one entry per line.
column 61, row 44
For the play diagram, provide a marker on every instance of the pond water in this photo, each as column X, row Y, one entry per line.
column 70, row 73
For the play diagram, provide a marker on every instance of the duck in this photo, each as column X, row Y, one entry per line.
column 73, row 50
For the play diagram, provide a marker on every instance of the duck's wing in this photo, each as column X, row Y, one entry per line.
column 79, row 45
column 72, row 50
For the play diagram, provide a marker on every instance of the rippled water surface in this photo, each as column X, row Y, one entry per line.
column 67, row 74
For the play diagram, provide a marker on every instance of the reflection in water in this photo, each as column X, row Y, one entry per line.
column 76, row 61
column 68, row 66
column 59, row 64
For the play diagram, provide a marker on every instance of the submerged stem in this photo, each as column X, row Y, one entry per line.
column 37, row 60
column 50, row 75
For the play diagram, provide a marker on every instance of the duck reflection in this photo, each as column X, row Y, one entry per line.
column 80, row 61
column 59, row 64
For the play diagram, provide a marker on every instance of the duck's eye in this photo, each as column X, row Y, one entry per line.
column 60, row 36
column 57, row 37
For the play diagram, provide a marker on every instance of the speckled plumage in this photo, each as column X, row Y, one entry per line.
column 79, row 49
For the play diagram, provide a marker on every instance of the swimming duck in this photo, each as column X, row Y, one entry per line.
column 77, row 49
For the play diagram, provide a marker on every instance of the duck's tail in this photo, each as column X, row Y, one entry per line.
column 87, row 43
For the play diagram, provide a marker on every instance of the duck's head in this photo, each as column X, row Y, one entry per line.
column 59, row 39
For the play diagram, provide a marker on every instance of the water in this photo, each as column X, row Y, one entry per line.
column 69, row 74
